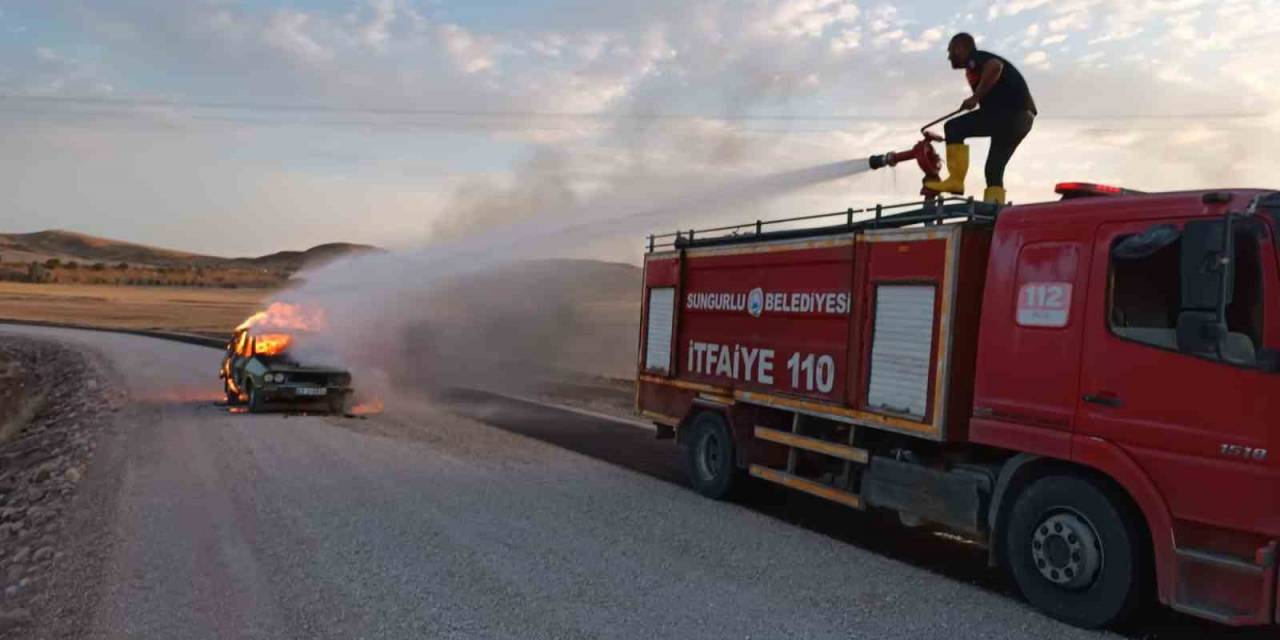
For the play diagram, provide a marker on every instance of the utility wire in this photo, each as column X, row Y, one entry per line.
column 298, row 108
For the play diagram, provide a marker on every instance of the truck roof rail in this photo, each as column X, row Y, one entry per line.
column 893, row 216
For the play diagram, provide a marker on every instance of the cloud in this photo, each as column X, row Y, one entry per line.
column 376, row 33
column 1012, row 8
column 847, row 40
column 810, row 18
column 925, row 40
column 470, row 52
column 288, row 32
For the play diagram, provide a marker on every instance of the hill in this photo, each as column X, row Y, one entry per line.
column 317, row 255
column 69, row 246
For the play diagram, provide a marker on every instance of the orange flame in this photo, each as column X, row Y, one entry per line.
column 271, row 344
column 369, row 407
column 282, row 315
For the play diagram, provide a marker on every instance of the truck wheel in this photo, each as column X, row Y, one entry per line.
column 712, row 468
column 1076, row 553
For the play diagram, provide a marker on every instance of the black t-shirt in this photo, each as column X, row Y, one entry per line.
column 1010, row 92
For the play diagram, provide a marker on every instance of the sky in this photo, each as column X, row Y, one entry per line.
column 244, row 127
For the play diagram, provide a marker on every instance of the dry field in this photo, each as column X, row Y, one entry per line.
column 183, row 309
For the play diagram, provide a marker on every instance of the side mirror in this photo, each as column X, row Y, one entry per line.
column 1200, row 332
column 1207, row 265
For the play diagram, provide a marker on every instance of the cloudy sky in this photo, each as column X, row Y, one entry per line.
column 240, row 127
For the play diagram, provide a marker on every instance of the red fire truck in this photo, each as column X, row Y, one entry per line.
column 1089, row 387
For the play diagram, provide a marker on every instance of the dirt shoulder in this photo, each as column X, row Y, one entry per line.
column 54, row 404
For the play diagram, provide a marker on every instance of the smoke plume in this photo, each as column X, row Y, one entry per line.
column 491, row 308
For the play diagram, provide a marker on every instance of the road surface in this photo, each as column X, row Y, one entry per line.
column 422, row 523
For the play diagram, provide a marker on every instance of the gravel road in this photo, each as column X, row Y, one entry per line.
column 198, row 523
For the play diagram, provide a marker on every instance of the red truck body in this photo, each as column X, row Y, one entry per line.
column 945, row 362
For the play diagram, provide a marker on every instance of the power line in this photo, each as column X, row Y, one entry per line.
column 498, row 114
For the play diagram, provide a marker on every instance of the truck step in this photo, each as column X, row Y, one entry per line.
column 807, row 486
column 852, row 454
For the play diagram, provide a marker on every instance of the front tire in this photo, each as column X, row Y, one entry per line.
column 710, row 461
column 1078, row 551
column 255, row 399
column 233, row 398
column 339, row 404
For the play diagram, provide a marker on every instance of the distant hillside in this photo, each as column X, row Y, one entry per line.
column 317, row 255
column 78, row 247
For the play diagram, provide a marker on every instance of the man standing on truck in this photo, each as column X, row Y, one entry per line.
column 1005, row 114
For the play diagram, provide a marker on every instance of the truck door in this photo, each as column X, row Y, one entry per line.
column 1200, row 424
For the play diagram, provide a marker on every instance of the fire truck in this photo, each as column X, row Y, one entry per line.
column 1089, row 387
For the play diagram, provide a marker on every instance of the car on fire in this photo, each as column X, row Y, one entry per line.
column 259, row 371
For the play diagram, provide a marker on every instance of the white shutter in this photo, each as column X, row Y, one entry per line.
column 900, row 349
column 657, row 351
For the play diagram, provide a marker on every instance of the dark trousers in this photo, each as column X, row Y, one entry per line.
column 1006, row 130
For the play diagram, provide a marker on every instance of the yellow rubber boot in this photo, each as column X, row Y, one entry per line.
column 994, row 195
column 957, row 167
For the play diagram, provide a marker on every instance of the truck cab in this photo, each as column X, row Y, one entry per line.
column 1138, row 336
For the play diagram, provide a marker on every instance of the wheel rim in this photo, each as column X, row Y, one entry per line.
column 709, row 461
column 1067, row 550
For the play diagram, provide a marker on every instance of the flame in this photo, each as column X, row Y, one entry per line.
column 282, row 315
column 271, row 344
column 366, row 408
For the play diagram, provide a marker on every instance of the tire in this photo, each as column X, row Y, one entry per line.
column 233, row 398
column 1078, row 552
column 255, row 400
column 710, row 458
column 339, row 404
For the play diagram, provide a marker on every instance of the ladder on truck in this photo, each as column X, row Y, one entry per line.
column 840, row 488
column 892, row 216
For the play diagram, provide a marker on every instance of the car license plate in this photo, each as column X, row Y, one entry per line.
column 312, row 391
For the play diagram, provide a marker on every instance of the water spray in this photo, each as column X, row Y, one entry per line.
column 923, row 153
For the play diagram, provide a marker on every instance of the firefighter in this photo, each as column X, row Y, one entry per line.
column 1005, row 114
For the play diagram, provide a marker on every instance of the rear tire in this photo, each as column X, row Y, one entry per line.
column 710, row 457
column 1077, row 551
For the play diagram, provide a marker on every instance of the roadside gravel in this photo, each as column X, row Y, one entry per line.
column 54, row 403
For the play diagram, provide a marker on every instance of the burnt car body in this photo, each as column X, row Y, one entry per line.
column 262, row 377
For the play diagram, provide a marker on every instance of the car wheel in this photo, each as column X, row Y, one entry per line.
column 1077, row 551
column 710, row 460
column 233, row 397
column 339, row 404
column 255, row 398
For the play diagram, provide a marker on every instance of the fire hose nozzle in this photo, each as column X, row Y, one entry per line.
column 882, row 160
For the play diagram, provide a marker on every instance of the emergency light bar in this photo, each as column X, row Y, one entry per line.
column 1069, row 190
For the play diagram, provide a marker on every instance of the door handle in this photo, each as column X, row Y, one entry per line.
column 1104, row 399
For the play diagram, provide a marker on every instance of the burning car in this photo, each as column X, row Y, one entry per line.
column 259, row 368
